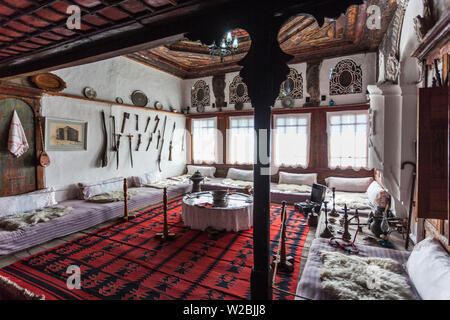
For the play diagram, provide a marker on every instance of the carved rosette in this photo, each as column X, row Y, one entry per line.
column 200, row 95
column 293, row 86
column 346, row 78
column 238, row 91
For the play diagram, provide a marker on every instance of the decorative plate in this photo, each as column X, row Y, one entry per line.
column 139, row 98
column 48, row 81
column 201, row 108
column 119, row 100
column 89, row 93
column 158, row 105
column 287, row 102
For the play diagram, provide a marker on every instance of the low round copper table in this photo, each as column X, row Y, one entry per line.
column 199, row 213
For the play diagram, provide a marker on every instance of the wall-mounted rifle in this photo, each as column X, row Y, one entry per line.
column 137, row 122
column 162, row 144
column 104, row 154
column 119, row 135
column 171, row 141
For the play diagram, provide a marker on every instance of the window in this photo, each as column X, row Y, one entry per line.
column 291, row 140
column 347, row 139
column 240, row 140
column 204, row 140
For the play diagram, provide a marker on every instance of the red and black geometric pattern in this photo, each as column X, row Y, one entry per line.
column 125, row 261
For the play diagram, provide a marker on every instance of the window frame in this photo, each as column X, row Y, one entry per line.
column 216, row 148
column 306, row 116
column 228, row 141
column 340, row 113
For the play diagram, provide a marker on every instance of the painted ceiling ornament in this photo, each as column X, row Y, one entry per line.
column 200, row 95
column 346, row 78
column 238, row 91
column 292, row 87
column 389, row 49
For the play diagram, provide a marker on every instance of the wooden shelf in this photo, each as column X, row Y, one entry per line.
column 71, row 96
column 344, row 107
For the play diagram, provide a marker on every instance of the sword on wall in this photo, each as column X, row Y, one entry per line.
column 171, row 141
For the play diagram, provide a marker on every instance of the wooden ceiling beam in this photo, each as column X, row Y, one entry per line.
column 173, row 2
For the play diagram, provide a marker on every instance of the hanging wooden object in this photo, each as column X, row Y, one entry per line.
column 44, row 159
column 48, row 82
column 165, row 235
column 280, row 260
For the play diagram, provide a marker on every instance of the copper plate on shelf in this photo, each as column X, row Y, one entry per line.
column 139, row 98
column 48, row 81
column 158, row 105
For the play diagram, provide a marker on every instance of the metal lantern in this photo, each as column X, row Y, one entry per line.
column 196, row 179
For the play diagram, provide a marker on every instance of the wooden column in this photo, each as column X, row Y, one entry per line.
column 264, row 70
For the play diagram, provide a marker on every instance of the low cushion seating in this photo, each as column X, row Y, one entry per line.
column 205, row 171
column 349, row 184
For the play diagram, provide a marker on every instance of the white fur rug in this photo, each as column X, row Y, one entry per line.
column 237, row 183
column 349, row 277
column 15, row 292
column 112, row 196
column 31, row 218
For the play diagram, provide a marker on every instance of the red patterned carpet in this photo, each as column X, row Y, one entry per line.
column 124, row 261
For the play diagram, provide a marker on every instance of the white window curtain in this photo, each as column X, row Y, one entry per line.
column 204, row 140
column 291, row 145
column 240, row 140
column 347, row 139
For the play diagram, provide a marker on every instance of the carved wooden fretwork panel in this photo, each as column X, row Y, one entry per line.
column 238, row 91
column 346, row 78
column 293, row 86
column 200, row 95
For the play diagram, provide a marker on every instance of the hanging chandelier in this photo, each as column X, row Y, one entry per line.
column 227, row 47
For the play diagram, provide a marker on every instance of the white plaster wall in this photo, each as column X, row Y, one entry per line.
column 111, row 78
column 119, row 77
column 367, row 62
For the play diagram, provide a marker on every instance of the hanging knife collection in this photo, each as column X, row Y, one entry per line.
column 116, row 137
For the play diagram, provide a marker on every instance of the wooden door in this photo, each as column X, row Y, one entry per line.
column 17, row 175
column 432, row 171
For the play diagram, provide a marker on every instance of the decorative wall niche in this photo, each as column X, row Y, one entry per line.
column 238, row 91
column 346, row 78
column 293, row 86
column 200, row 95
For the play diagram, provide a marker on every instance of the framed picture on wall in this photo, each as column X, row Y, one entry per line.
column 63, row 134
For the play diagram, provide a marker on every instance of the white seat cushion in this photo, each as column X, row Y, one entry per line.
column 239, row 174
column 27, row 202
column 429, row 269
column 205, row 171
column 91, row 189
column 145, row 179
column 349, row 184
column 297, row 178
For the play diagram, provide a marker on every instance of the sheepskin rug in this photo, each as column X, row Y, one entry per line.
column 28, row 219
column 349, row 277
column 11, row 290
column 112, row 196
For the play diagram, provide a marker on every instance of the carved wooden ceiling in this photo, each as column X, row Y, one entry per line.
column 301, row 37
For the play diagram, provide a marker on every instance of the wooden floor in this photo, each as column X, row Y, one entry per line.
column 6, row 260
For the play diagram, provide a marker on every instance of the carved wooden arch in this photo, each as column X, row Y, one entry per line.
column 264, row 69
column 31, row 97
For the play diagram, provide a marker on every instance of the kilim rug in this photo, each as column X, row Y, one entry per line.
column 125, row 261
